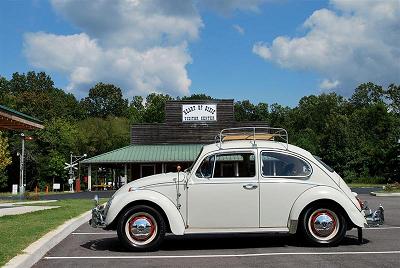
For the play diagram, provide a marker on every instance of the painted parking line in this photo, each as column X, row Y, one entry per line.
column 103, row 233
column 382, row 228
column 226, row 255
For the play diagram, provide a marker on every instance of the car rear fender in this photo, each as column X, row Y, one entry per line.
column 324, row 193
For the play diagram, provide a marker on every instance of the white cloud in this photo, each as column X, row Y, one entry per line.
column 140, row 46
column 239, row 29
column 86, row 63
column 351, row 43
column 262, row 50
column 327, row 84
column 133, row 22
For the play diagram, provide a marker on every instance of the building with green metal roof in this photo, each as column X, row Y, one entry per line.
column 161, row 147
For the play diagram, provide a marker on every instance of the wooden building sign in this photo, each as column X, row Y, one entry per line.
column 189, row 122
column 199, row 112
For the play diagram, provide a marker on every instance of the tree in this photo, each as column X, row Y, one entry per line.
column 35, row 94
column 246, row 111
column 154, row 109
column 366, row 94
column 105, row 100
column 98, row 135
column 197, row 97
column 135, row 110
column 5, row 160
column 393, row 93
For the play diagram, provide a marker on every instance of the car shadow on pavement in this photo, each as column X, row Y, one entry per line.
column 216, row 241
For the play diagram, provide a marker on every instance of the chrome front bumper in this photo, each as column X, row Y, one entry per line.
column 374, row 217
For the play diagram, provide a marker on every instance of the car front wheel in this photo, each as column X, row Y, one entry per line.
column 141, row 228
column 324, row 226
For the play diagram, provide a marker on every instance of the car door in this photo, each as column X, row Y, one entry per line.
column 283, row 177
column 224, row 191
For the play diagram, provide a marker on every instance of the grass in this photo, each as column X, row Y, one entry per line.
column 391, row 188
column 33, row 193
column 391, row 191
column 19, row 231
column 361, row 185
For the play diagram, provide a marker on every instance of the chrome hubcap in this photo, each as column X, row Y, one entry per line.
column 323, row 224
column 141, row 228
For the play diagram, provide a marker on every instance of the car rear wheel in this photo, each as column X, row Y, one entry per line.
column 324, row 226
column 141, row 228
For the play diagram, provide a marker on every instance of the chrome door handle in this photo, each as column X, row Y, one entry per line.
column 250, row 186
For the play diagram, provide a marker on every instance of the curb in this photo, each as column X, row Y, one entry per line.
column 35, row 251
column 385, row 194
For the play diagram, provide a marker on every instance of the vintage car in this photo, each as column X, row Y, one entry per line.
column 250, row 180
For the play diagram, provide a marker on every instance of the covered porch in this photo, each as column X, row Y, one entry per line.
column 136, row 161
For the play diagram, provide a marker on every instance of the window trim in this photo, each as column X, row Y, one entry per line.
column 215, row 153
column 288, row 154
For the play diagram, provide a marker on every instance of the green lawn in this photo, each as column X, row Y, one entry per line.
column 361, row 185
column 19, row 231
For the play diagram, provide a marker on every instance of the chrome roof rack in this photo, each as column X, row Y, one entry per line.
column 253, row 133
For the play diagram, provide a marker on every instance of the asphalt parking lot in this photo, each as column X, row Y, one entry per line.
column 88, row 247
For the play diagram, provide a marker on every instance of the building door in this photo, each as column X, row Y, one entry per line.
column 224, row 192
column 147, row 170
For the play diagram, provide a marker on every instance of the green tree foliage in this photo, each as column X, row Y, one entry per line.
column 35, row 94
column 100, row 135
column 393, row 93
column 105, row 100
column 5, row 160
column 197, row 97
column 246, row 111
column 150, row 111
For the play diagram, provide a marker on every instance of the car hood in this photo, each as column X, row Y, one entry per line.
column 154, row 180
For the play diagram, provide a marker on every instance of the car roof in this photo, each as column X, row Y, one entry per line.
column 260, row 144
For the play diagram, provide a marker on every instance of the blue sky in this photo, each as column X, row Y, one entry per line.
column 265, row 51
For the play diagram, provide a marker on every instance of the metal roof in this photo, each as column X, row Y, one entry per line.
column 148, row 153
column 14, row 120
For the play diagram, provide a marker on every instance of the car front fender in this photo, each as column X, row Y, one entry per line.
column 122, row 200
column 324, row 193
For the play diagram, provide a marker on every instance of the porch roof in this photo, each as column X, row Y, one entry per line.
column 156, row 153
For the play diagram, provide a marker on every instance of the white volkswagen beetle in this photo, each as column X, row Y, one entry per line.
column 247, row 181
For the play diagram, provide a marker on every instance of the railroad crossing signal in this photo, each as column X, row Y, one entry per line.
column 69, row 166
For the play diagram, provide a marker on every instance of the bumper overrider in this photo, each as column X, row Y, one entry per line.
column 374, row 217
column 99, row 213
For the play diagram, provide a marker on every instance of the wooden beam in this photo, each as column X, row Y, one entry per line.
column 9, row 121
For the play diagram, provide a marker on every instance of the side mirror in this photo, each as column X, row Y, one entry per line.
column 96, row 200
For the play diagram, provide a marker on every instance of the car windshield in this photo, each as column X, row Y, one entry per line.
column 324, row 164
column 194, row 162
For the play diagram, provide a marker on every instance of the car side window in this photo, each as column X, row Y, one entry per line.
column 206, row 167
column 283, row 165
column 230, row 165
column 240, row 165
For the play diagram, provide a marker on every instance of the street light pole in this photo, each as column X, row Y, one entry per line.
column 21, row 166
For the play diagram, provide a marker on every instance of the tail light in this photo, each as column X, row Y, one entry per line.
column 360, row 202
